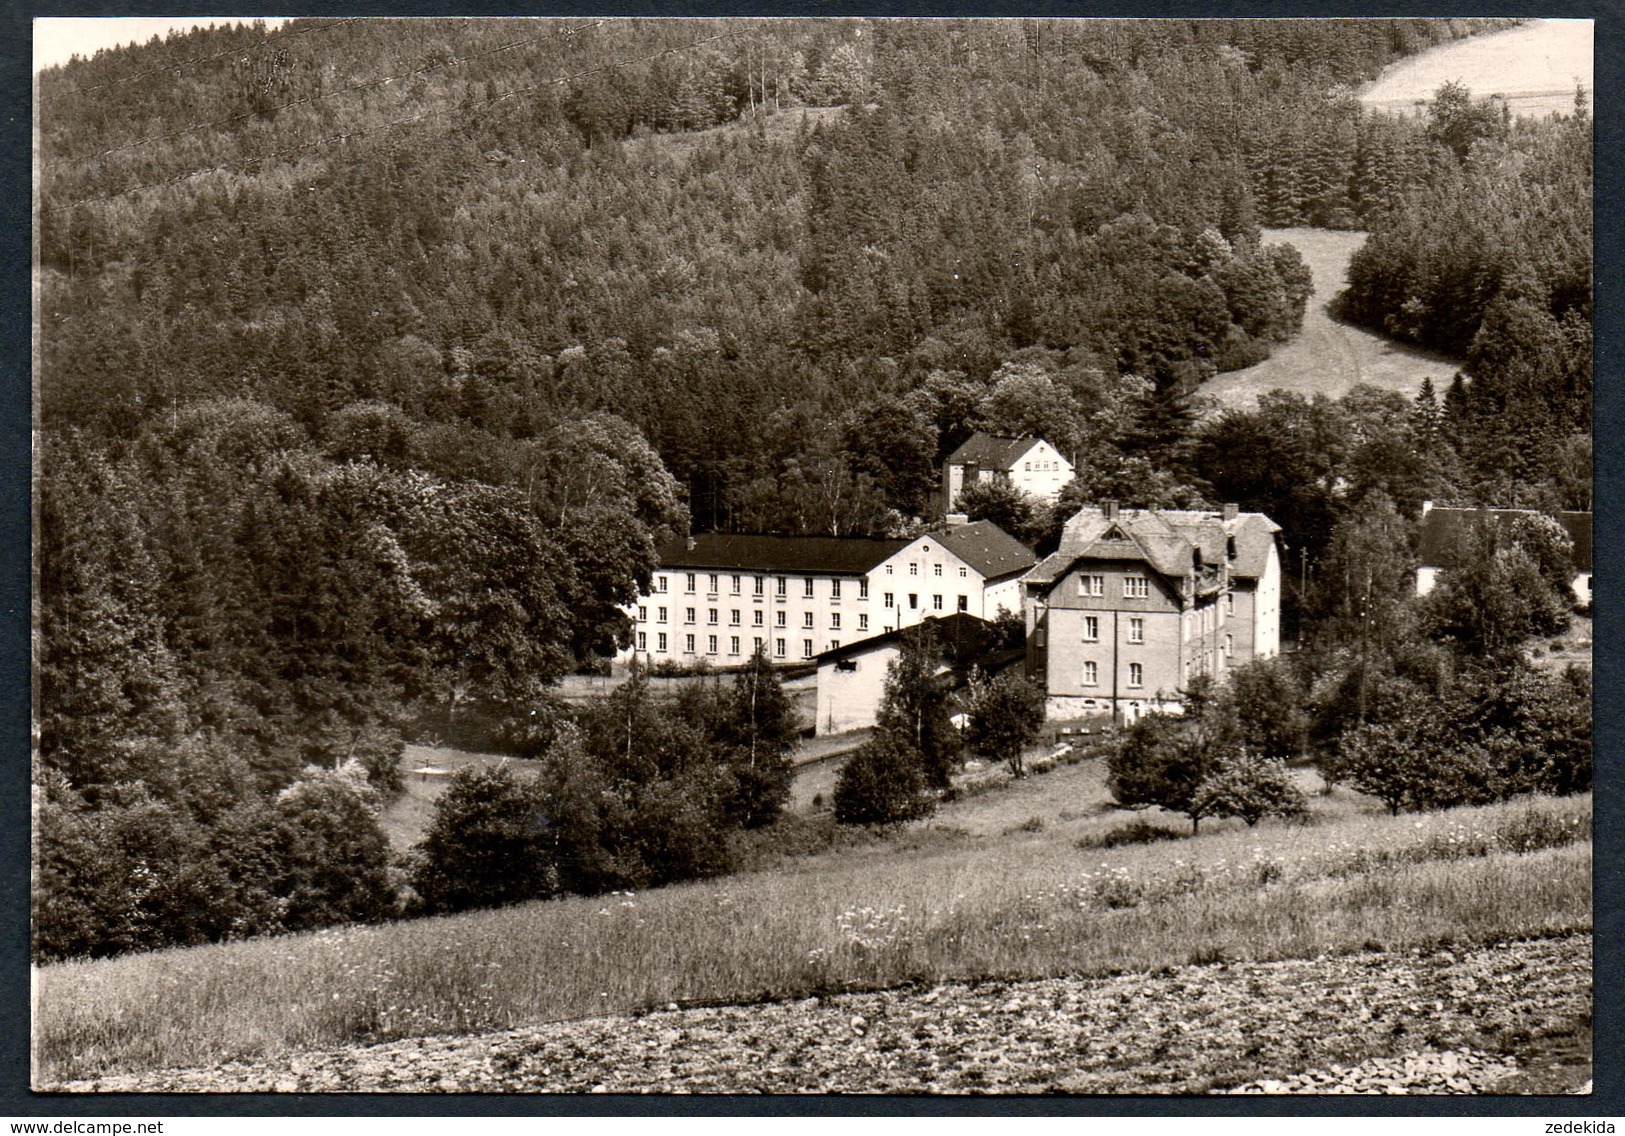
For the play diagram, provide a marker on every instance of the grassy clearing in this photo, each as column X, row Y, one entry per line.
column 935, row 905
column 1329, row 356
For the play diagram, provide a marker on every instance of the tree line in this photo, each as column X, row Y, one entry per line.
column 624, row 793
column 504, row 259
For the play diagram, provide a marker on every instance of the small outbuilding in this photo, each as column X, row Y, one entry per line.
column 852, row 678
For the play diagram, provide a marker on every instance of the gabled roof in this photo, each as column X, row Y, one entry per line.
column 988, row 549
column 1254, row 534
column 965, row 639
column 808, row 555
column 1444, row 526
column 1172, row 541
column 992, row 451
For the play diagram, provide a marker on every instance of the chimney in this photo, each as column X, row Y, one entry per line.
column 1110, row 508
column 691, row 543
column 1230, row 511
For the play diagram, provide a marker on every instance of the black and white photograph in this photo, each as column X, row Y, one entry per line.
column 820, row 555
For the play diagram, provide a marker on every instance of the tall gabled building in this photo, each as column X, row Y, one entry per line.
column 1137, row 602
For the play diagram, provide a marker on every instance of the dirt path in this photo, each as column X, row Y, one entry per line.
column 1330, row 357
column 1509, row 1017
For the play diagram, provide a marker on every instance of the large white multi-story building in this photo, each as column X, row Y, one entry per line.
column 718, row 597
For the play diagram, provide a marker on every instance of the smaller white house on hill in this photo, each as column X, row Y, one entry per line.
column 1029, row 464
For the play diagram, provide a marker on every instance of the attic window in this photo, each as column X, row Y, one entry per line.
column 1115, row 533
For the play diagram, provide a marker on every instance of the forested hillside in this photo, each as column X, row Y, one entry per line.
column 377, row 356
column 1491, row 259
column 489, row 224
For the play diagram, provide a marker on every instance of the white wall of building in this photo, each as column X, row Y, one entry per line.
column 1042, row 472
column 850, row 690
column 810, row 613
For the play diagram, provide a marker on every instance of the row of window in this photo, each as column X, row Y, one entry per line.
column 1091, row 629
column 890, row 600
column 781, row 584
column 758, row 618
column 1136, row 671
column 1042, row 466
column 1134, row 587
column 1091, row 674
column 661, row 644
column 914, row 570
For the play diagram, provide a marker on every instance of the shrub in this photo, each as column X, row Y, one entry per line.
column 1140, row 831
column 1163, row 761
column 139, row 874
column 1006, row 714
column 333, row 858
column 881, row 783
column 677, row 829
column 488, row 843
column 1250, row 787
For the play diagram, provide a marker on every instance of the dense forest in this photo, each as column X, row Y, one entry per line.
column 376, row 357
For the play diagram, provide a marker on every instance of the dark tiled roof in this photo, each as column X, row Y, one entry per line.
column 812, row 555
column 1443, row 527
column 990, row 451
column 988, row 549
column 961, row 635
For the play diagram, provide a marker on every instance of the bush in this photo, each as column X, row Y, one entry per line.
column 333, row 858
column 1250, row 787
column 1139, row 831
column 1006, row 714
column 488, row 843
column 139, row 874
column 678, row 830
column 1163, row 761
column 881, row 783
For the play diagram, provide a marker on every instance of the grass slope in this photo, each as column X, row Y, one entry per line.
column 1329, row 356
column 937, row 902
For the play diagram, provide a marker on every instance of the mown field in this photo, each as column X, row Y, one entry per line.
column 1330, row 356
column 1010, row 883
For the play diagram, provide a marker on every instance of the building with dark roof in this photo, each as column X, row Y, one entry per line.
column 852, row 677
column 1445, row 528
column 1137, row 602
column 1029, row 464
column 718, row 597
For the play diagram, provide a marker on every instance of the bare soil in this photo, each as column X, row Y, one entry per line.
column 1502, row 1018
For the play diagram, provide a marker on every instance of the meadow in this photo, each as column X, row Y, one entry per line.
column 1013, row 883
column 1329, row 356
